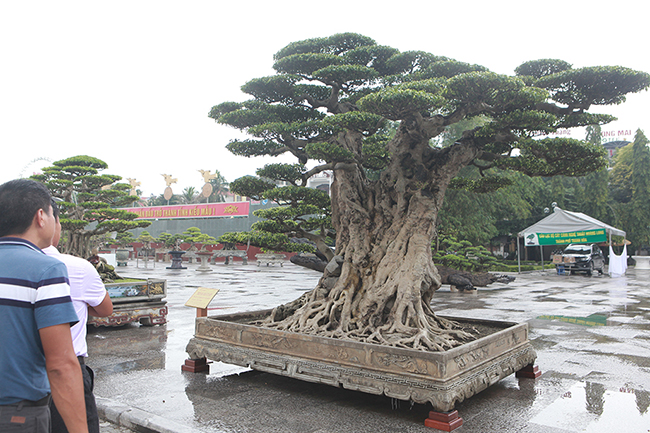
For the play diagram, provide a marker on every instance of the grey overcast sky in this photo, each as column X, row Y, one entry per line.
column 131, row 82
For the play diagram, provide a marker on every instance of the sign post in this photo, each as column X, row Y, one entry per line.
column 199, row 300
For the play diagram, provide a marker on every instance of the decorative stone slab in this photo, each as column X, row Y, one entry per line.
column 147, row 313
column 441, row 378
column 151, row 289
column 269, row 258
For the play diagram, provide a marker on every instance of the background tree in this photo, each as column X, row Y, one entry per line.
column 329, row 103
column 219, row 188
column 88, row 197
column 596, row 185
column 160, row 200
column 189, row 195
column 638, row 224
column 620, row 176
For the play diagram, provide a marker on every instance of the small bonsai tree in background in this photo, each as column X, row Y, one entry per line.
column 171, row 241
column 88, row 197
column 267, row 241
column 194, row 236
column 303, row 213
column 462, row 255
column 146, row 238
column 125, row 239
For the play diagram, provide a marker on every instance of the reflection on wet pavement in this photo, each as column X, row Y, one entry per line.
column 590, row 408
column 591, row 335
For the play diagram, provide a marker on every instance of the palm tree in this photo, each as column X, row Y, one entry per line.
column 188, row 195
column 219, row 188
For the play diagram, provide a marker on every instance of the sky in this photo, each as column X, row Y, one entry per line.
column 132, row 82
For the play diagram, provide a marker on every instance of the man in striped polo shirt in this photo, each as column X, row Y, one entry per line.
column 36, row 353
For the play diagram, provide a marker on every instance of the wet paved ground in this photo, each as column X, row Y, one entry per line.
column 109, row 427
column 591, row 334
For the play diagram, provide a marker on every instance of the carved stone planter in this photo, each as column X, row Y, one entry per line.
column 177, row 260
column 135, row 301
column 441, row 378
column 270, row 259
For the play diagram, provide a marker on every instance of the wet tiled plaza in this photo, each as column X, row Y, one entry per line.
column 591, row 335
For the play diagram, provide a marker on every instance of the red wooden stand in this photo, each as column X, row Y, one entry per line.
column 196, row 365
column 446, row 421
column 529, row 372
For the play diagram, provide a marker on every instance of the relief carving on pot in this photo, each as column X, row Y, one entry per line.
column 462, row 361
column 334, row 353
column 503, row 342
column 405, row 363
column 270, row 341
column 224, row 334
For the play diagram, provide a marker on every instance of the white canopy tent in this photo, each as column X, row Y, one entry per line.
column 563, row 227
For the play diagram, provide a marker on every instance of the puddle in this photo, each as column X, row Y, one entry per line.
column 591, row 320
column 589, row 407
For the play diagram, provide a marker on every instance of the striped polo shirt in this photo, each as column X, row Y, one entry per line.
column 34, row 294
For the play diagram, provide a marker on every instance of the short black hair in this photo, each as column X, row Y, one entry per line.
column 20, row 199
column 55, row 208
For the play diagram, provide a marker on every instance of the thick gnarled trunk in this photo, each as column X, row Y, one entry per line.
column 78, row 244
column 387, row 276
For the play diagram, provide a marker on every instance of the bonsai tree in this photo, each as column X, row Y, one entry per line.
column 146, row 238
column 194, row 236
column 303, row 213
column 266, row 240
column 124, row 239
column 88, row 197
column 462, row 254
column 171, row 241
column 331, row 104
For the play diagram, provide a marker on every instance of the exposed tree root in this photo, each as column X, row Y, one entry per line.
column 421, row 330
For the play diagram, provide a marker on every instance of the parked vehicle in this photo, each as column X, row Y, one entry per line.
column 583, row 258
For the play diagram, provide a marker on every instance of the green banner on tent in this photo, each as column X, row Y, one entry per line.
column 578, row 237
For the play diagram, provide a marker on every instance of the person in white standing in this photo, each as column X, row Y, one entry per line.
column 89, row 296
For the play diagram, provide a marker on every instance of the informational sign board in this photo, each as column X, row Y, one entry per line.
column 201, row 298
column 565, row 238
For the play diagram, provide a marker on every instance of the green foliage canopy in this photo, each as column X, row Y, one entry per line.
column 89, row 197
column 354, row 74
column 332, row 99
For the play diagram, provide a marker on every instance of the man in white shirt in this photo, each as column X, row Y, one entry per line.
column 88, row 296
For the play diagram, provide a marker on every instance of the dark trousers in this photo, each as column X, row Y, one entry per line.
column 58, row 426
column 20, row 418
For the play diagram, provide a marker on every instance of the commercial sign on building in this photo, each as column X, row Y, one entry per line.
column 206, row 210
column 578, row 237
column 621, row 134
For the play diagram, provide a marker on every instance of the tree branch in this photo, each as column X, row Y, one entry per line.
column 316, row 170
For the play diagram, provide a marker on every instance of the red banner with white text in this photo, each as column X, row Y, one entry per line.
column 205, row 210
